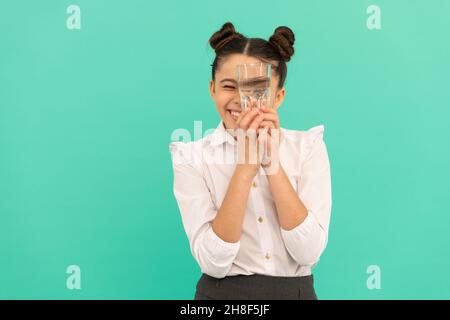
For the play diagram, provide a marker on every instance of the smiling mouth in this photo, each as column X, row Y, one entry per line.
column 234, row 114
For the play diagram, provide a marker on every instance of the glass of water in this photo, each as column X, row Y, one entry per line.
column 254, row 85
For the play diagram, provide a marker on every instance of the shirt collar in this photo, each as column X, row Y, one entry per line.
column 221, row 135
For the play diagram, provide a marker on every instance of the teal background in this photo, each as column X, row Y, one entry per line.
column 86, row 118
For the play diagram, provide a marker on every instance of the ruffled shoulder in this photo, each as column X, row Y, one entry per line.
column 181, row 152
column 311, row 137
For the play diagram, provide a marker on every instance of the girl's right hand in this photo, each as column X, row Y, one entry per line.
column 248, row 123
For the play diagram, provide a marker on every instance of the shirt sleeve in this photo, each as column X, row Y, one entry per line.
column 214, row 255
column 306, row 242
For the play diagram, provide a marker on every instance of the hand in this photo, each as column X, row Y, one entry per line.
column 248, row 122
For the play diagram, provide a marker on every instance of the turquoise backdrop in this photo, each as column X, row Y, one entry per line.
column 86, row 117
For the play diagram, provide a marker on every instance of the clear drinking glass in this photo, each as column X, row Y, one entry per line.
column 254, row 85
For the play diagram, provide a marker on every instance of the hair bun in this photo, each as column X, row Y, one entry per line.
column 283, row 40
column 223, row 36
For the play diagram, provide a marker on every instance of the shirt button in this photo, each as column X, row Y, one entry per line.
column 260, row 219
column 267, row 256
column 254, row 185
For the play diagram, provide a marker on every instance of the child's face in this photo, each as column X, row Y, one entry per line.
column 224, row 90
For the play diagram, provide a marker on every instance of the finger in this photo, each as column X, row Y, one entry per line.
column 267, row 124
column 241, row 115
column 248, row 118
column 263, row 129
column 268, row 110
column 272, row 117
column 256, row 123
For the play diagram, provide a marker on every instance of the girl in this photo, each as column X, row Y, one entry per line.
column 254, row 235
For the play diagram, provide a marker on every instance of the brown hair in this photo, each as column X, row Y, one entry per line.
column 280, row 48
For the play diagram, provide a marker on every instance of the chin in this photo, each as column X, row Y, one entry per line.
column 230, row 124
column 229, row 120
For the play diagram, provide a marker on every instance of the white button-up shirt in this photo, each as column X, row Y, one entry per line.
column 202, row 171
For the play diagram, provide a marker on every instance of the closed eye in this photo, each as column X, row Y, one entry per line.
column 229, row 87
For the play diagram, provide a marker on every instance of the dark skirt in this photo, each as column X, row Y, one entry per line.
column 255, row 287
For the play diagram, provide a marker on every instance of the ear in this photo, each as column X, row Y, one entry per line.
column 212, row 90
column 279, row 97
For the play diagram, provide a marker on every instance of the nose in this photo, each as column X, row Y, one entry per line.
column 236, row 101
